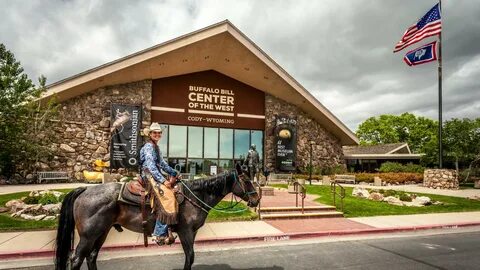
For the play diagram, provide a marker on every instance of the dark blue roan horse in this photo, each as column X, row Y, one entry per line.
column 93, row 211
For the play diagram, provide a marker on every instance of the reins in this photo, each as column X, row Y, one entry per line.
column 221, row 210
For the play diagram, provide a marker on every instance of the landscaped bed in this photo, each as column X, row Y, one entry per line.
column 9, row 223
column 360, row 207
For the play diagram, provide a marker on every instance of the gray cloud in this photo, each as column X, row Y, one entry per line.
column 341, row 51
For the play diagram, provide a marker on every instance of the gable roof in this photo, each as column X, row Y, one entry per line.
column 220, row 47
column 380, row 151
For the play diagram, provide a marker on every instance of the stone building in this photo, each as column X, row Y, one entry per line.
column 215, row 93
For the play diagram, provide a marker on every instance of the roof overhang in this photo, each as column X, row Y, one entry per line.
column 384, row 156
column 221, row 47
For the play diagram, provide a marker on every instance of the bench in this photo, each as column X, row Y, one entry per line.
column 345, row 178
column 52, row 176
column 280, row 177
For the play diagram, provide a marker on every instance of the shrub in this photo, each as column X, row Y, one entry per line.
column 404, row 197
column 389, row 192
column 364, row 177
column 31, row 200
column 397, row 167
column 48, row 198
column 62, row 197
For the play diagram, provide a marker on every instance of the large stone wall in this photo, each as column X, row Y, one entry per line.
column 440, row 179
column 82, row 133
column 327, row 151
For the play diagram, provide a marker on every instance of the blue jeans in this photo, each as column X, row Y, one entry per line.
column 160, row 229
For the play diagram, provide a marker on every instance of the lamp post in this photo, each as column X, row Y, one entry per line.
column 311, row 168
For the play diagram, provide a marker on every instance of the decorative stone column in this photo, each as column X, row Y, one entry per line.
column 440, row 179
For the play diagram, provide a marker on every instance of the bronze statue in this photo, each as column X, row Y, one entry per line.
column 252, row 161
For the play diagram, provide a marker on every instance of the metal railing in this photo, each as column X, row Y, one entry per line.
column 299, row 189
column 333, row 189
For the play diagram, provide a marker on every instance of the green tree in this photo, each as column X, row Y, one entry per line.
column 417, row 131
column 22, row 117
column 461, row 140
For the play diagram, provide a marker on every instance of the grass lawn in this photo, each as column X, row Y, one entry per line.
column 358, row 207
column 8, row 223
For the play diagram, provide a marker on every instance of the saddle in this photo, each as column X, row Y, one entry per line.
column 130, row 193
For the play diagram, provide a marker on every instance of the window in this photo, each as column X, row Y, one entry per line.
column 242, row 141
column 211, row 143
column 256, row 136
column 163, row 143
column 195, row 141
column 177, row 144
column 195, row 166
column 226, row 143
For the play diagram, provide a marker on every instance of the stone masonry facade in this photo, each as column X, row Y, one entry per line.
column 327, row 150
column 440, row 179
column 82, row 132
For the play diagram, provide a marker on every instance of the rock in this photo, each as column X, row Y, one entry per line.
column 422, row 200
column 67, row 148
column 90, row 135
column 49, row 218
column 77, row 168
column 15, row 205
column 375, row 196
column 30, row 176
column 360, row 192
column 27, row 217
column 4, row 209
column 34, row 193
column 105, row 122
column 52, row 208
column 80, row 158
column 39, row 217
column 70, row 162
column 101, row 150
column 393, row 200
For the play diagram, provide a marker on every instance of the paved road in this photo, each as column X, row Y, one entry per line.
column 443, row 251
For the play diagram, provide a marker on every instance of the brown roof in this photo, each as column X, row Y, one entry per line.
column 372, row 149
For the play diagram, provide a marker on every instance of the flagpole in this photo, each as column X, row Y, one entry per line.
column 440, row 122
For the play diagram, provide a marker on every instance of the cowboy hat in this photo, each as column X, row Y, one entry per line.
column 153, row 127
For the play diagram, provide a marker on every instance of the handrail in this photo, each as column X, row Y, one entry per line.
column 333, row 189
column 303, row 194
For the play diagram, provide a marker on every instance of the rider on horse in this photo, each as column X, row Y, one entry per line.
column 151, row 159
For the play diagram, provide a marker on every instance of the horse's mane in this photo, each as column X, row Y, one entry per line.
column 213, row 184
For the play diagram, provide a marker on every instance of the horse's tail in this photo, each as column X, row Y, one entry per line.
column 65, row 231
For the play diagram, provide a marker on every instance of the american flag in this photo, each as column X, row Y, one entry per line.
column 429, row 25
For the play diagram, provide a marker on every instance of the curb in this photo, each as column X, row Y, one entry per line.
column 259, row 238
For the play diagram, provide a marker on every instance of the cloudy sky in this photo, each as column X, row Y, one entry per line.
column 340, row 50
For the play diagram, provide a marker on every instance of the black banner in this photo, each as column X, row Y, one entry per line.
column 286, row 143
column 125, row 142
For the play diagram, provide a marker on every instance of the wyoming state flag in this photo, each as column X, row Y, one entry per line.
column 421, row 55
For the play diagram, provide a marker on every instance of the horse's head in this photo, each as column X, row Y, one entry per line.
column 244, row 188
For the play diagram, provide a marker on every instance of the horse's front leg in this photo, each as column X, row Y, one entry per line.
column 187, row 238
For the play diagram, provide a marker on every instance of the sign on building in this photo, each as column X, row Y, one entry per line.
column 285, row 143
column 125, row 140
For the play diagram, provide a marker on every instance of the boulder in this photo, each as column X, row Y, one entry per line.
column 27, row 217
column 39, row 217
column 375, row 196
column 52, row 208
column 393, row 200
column 422, row 201
column 15, row 205
column 360, row 192
column 4, row 209
column 49, row 218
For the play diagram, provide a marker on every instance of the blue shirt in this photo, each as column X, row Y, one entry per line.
column 150, row 160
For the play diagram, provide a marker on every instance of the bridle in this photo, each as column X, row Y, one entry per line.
column 238, row 180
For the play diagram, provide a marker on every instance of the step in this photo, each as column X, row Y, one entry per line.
column 297, row 208
column 300, row 215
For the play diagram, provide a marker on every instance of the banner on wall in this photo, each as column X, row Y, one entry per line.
column 285, row 143
column 125, row 140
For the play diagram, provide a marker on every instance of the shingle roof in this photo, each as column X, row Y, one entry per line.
column 371, row 149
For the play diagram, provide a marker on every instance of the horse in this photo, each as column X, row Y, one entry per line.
column 95, row 210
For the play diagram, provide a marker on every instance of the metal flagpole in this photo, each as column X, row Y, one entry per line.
column 440, row 151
